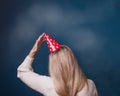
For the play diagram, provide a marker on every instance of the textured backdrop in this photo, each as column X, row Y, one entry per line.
column 91, row 28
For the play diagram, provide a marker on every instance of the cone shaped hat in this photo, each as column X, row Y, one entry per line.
column 52, row 44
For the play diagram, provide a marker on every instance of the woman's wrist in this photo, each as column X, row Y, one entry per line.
column 33, row 51
column 32, row 54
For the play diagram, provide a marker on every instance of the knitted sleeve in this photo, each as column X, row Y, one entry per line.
column 40, row 83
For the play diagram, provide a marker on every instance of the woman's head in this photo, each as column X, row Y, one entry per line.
column 67, row 77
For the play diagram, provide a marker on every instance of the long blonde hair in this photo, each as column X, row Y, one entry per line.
column 65, row 72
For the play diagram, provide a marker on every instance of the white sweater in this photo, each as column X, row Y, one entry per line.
column 43, row 84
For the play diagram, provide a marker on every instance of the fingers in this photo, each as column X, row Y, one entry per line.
column 41, row 37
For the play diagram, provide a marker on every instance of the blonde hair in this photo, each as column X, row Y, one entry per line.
column 65, row 72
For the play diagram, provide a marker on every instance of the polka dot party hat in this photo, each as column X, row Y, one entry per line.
column 52, row 44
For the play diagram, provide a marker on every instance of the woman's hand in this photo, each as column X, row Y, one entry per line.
column 37, row 44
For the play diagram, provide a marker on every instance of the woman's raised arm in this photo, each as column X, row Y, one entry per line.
column 25, row 72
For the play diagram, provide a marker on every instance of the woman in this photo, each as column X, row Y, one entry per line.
column 66, row 77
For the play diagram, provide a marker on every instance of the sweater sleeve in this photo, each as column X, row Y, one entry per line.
column 40, row 83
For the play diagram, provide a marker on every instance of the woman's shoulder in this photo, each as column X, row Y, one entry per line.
column 92, row 88
column 88, row 89
column 90, row 82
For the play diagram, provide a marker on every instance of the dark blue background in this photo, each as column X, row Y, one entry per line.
column 91, row 28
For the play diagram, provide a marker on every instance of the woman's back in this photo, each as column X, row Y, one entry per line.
column 44, row 84
column 89, row 90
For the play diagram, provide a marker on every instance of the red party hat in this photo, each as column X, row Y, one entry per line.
column 52, row 44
